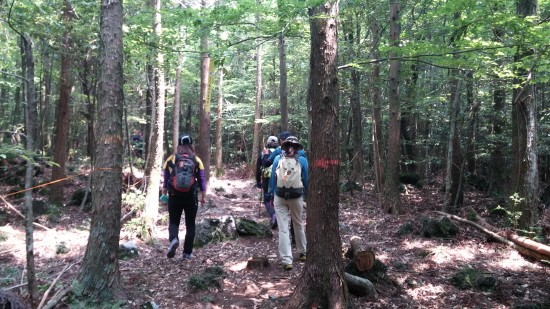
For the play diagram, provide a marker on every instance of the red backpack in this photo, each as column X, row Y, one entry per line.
column 182, row 177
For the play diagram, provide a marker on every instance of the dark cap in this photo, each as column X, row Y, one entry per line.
column 284, row 135
column 185, row 139
column 292, row 141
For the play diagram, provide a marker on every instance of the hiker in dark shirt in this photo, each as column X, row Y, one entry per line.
column 262, row 177
column 183, row 202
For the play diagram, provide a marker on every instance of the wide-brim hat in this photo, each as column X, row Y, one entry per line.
column 292, row 141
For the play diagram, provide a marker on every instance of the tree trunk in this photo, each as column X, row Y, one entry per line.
column 408, row 123
column 256, row 139
column 30, row 116
column 203, row 149
column 177, row 105
column 219, row 132
column 99, row 276
column 471, row 142
column 150, row 110
column 453, row 194
column 391, row 201
column 157, row 136
column 363, row 255
column 377, row 137
column 524, row 181
column 62, row 120
column 283, row 93
column 322, row 280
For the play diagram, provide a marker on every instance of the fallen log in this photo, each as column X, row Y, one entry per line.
column 363, row 254
column 523, row 250
column 10, row 206
column 360, row 286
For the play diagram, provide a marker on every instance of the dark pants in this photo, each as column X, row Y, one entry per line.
column 177, row 204
column 267, row 197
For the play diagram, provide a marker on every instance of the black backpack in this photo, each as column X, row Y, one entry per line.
column 182, row 176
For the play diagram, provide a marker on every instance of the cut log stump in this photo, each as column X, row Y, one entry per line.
column 362, row 254
column 257, row 262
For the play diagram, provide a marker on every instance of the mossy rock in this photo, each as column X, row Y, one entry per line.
column 211, row 277
column 214, row 230
column 411, row 179
column 406, row 228
column 39, row 206
column 464, row 279
column 78, row 196
column 349, row 186
column 443, row 228
column 476, row 181
column 247, row 227
column 545, row 305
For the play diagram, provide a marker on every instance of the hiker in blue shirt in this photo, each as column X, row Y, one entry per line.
column 288, row 184
column 282, row 137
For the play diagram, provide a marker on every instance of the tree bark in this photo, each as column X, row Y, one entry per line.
column 377, row 137
column 62, row 120
column 391, row 200
column 283, row 92
column 453, row 195
column 256, row 139
column 524, row 179
column 157, row 136
column 219, row 132
column 30, row 124
column 177, row 105
column 99, row 276
column 203, row 147
column 322, row 281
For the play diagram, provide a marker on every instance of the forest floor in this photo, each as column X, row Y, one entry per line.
column 422, row 268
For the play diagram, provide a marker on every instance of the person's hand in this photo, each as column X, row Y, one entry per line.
column 271, row 204
column 165, row 192
column 259, row 185
column 203, row 199
column 265, row 151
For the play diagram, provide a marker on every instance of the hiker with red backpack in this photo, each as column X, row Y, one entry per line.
column 183, row 173
column 288, row 184
column 262, row 177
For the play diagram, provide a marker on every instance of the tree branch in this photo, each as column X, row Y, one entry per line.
column 15, row 75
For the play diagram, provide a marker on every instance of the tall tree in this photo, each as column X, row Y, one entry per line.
column 322, row 283
column 177, row 105
column 258, row 100
column 99, row 276
column 391, row 201
column 203, row 149
column 377, row 145
column 524, row 181
column 62, row 120
column 157, row 133
column 219, row 146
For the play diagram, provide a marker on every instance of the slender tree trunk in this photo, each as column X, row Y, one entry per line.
column 203, row 149
column 453, row 194
column 258, row 101
column 157, row 136
column 177, row 104
column 62, row 121
column 30, row 116
column 150, row 110
column 499, row 168
column 391, row 200
column 524, row 179
column 219, row 132
column 322, row 283
column 408, row 123
column 99, row 276
column 471, row 146
column 377, row 137
column 283, row 93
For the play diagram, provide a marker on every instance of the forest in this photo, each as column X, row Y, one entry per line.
column 414, row 114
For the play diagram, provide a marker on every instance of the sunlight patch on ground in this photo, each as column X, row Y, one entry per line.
column 238, row 266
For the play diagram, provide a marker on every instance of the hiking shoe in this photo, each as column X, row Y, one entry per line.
column 274, row 224
column 287, row 267
column 302, row 257
column 186, row 256
column 174, row 244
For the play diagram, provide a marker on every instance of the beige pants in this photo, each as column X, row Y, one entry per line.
column 282, row 209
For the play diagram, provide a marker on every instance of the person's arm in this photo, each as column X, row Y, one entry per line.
column 259, row 170
column 166, row 176
column 272, row 157
column 202, row 180
column 305, row 173
column 273, row 179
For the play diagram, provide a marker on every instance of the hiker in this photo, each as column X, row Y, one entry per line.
column 183, row 173
column 262, row 177
column 288, row 184
column 267, row 163
column 137, row 143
